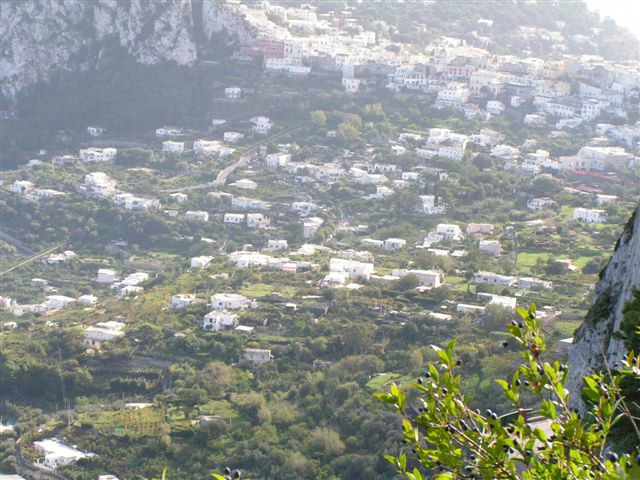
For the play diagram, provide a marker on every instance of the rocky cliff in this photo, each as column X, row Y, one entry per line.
column 43, row 36
column 595, row 342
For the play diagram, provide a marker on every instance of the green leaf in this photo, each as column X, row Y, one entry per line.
column 540, row 435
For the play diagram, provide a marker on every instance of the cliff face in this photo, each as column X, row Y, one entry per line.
column 595, row 342
column 43, row 36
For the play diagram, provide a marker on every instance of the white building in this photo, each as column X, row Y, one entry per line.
column 246, row 259
column 55, row 302
column 96, row 335
column 172, row 147
column 304, row 208
column 352, row 268
column 279, row 159
column 201, row 261
column 57, row 453
column 98, row 184
column 211, row 148
column 196, row 216
column 168, row 132
column 182, row 300
column 257, row 220
column 351, row 85
column 246, row 203
column 257, row 356
column 131, row 202
column 490, row 247
column 178, row 197
column 22, row 187
column 602, row 199
column 261, row 125
column 88, row 300
column 427, row 278
column 495, row 107
column 94, row 154
column 276, row 245
column 216, row 321
column 311, row 225
column 95, row 131
column 449, row 231
column 244, row 184
column 393, row 244
column 589, row 215
column 452, row 152
column 491, row 278
column 232, row 137
column 530, row 283
column 229, row 301
column 429, row 206
column 106, row 275
column 233, row 92
column 535, row 204
column 233, row 218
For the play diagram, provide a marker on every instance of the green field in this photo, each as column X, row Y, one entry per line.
column 139, row 422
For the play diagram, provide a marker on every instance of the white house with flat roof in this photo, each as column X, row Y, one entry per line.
column 244, row 184
column 257, row 220
column 246, row 203
column 589, row 215
column 182, row 300
column 449, row 231
column 96, row 335
column 169, row 132
column 261, row 125
column 393, row 244
column 201, row 261
column 94, row 154
column 531, row 283
column 106, row 275
column 539, row 203
column 172, row 147
column 490, row 247
column 232, row 137
column 278, row 159
column 427, row 278
column 196, row 216
column 229, row 301
column 57, row 453
column 276, row 245
column 352, row 268
column 233, row 218
column 257, row 356
column 233, row 92
column 491, row 278
column 216, row 321
column 22, row 187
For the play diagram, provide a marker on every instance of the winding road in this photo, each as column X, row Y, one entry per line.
column 221, row 179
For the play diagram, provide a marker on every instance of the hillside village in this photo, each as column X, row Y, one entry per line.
column 415, row 195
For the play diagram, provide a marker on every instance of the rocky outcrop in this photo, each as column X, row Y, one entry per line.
column 43, row 36
column 595, row 343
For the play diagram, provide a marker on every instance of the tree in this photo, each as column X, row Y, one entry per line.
column 408, row 282
column 497, row 316
column 451, row 440
column 347, row 131
column 318, row 118
column 216, row 377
